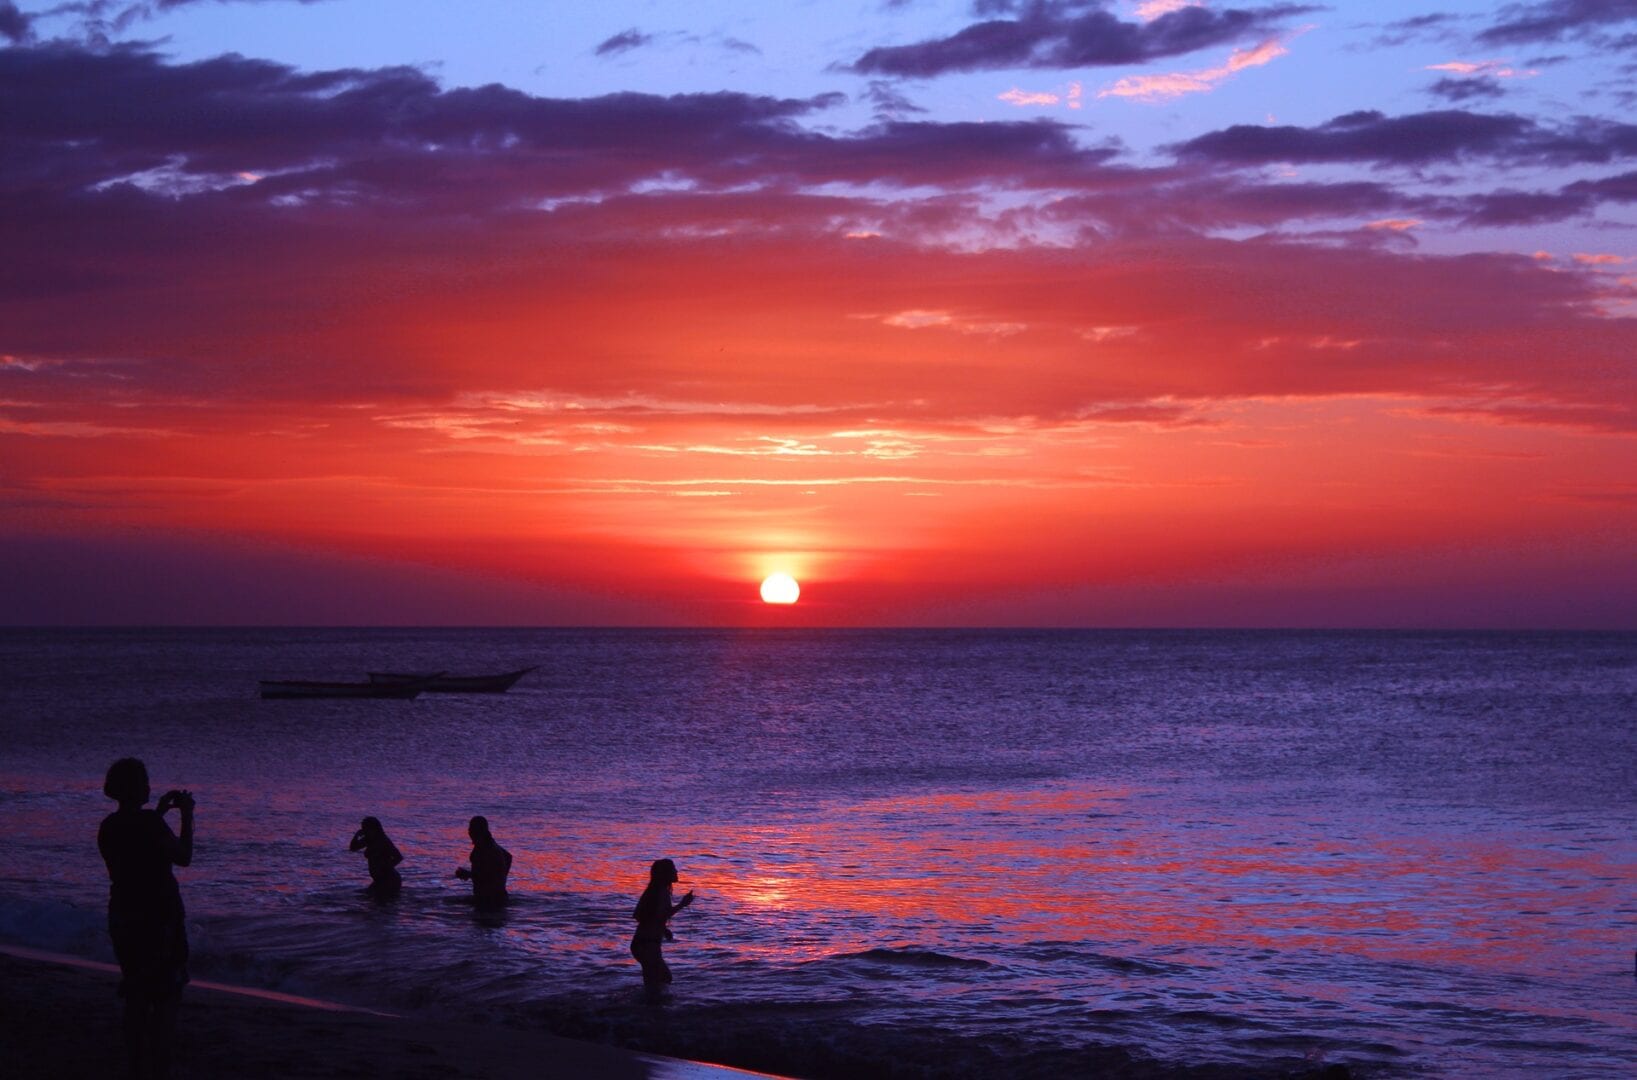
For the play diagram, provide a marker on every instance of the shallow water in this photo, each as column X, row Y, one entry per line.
column 1409, row 853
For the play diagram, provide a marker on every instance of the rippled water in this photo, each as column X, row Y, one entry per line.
column 960, row 852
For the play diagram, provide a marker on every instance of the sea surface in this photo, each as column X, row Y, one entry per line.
column 961, row 853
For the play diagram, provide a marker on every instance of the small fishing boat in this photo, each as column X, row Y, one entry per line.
column 309, row 688
column 453, row 684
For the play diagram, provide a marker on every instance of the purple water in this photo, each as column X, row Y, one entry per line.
column 945, row 853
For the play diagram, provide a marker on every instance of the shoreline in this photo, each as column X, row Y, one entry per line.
column 60, row 1014
column 59, row 1017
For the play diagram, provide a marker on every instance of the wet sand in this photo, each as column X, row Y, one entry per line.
column 61, row 1019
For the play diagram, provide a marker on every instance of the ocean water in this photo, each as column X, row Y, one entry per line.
column 953, row 853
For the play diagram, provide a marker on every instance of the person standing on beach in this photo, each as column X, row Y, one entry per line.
column 145, row 915
column 490, row 865
column 383, row 858
column 653, row 914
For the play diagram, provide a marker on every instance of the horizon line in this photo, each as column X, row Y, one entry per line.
column 11, row 627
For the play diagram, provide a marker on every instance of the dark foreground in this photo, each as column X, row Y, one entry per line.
column 62, row 1021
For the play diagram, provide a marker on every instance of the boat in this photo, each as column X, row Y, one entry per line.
column 309, row 688
column 453, row 684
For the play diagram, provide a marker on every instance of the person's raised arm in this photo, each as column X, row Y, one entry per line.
column 684, row 902
column 359, row 841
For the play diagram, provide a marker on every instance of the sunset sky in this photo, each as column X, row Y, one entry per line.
column 1061, row 313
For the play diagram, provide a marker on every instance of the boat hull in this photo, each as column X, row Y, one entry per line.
column 289, row 689
column 452, row 684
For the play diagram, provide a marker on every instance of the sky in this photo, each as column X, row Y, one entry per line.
column 1045, row 313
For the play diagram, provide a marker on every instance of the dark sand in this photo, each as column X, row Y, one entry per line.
column 59, row 1017
column 62, row 1020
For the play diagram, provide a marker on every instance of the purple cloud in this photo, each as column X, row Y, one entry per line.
column 1621, row 188
column 96, row 136
column 889, row 101
column 1436, row 26
column 1459, row 90
column 1069, row 34
column 623, row 42
column 1164, row 202
column 1511, row 208
column 1556, row 19
column 1417, row 139
column 86, row 121
column 166, row 5
column 13, row 23
column 1154, row 201
column 80, row 118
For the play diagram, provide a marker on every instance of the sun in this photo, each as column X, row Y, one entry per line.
column 780, row 589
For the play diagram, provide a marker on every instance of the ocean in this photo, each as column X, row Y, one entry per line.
column 938, row 853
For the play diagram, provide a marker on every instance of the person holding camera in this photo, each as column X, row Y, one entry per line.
column 145, row 914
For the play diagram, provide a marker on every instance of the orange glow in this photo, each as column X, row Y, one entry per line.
column 927, row 472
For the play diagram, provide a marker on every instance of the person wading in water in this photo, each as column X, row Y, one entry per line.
column 653, row 914
column 490, row 865
column 382, row 856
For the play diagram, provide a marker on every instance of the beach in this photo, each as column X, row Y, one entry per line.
column 60, row 1018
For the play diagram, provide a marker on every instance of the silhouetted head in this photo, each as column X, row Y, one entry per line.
column 663, row 872
column 127, row 782
column 478, row 829
column 372, row 826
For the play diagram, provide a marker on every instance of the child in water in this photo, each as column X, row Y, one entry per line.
column 383, row 857
column 653, row 914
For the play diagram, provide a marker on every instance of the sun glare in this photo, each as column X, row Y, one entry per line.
column 780, row 589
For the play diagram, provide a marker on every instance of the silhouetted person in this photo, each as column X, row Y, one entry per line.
column 145, row 916
column 383, row 858
column 653, row 914
column 490, row 865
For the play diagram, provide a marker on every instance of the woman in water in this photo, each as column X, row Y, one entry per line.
column 653, row 914
column 383, row 857
column 145, row 916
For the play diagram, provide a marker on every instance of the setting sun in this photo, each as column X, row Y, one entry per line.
column 780, row 589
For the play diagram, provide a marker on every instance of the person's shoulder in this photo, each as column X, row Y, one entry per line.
column 126, row 819
column 126, row 826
